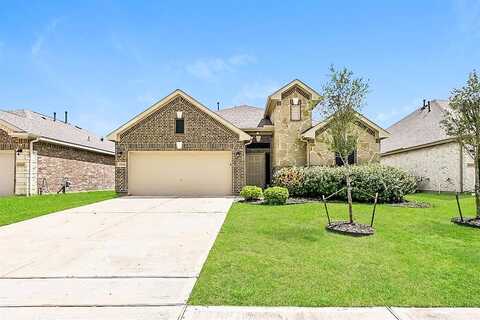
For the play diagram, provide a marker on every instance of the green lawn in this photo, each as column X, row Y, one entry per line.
column 15, row 209
column 279, row 256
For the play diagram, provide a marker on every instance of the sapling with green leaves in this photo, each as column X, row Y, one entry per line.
column 462, row 121
column 343, row 97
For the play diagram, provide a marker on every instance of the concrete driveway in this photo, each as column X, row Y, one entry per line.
column 137, row 258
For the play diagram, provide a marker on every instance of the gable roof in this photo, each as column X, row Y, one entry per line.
column 419, row 128
column 244, row 117
column 277, row 95
column 311, row 133
column 27, row 123
column 114, row 135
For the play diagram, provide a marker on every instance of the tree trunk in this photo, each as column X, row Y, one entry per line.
column 349, row 198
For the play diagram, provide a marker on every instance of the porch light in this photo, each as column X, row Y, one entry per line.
column 258, row 137
column 179, row 145
column 179, row 114
column 295, row 101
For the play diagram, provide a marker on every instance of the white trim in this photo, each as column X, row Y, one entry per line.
column 417, row 147
column 76, row 146
column 277, row 95
column 311, row 133
column 10, row 128
column 114, row 135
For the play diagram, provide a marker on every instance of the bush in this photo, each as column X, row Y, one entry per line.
column 392, row 184
column 250, row 193
column 276, row 195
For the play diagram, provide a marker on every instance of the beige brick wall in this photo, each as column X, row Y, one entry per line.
column 468, row 172
column 368, row 150
column 202, row 133
column 288, row 149
column 437, row 167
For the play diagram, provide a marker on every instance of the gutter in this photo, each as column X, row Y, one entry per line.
column 77, row 146
column 461, row 173
column 420, row 146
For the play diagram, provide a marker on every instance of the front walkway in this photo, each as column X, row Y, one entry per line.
column 126, row 258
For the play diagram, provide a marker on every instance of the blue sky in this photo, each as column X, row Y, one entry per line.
column 105, row 61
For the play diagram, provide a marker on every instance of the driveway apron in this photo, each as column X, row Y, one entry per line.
column 133, row 257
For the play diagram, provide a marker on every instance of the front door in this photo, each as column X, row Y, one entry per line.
column 256, row 169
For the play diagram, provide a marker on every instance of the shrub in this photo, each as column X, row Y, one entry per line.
column 276, row 195
column 250, row 193
column 392, row 184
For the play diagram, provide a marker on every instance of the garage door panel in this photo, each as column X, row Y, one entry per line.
column 186, row 173
column 7, row 172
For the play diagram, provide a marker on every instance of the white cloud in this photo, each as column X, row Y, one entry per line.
column 207, row 69
column 39, row 42
column 255, row 93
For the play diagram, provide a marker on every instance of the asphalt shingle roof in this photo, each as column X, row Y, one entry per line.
column 244, row 116
column 418, row 128
column 44, row 126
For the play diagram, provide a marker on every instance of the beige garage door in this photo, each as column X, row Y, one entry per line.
column 7, row 172
column 180, row 173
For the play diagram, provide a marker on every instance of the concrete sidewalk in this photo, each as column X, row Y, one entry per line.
column 293, row 313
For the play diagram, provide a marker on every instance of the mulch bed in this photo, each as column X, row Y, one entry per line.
column 412, row 204
column 467, row 221
column 353, row 229
column 289, row 201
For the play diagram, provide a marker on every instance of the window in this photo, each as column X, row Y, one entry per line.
column 351, row 159
column 179, row 126
column 295, row 109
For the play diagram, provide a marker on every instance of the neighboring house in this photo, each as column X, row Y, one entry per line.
column 420, row 145
column 180, row 147
column 38, row 153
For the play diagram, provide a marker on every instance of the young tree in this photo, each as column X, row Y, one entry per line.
column 342, row 98
column 462, row 121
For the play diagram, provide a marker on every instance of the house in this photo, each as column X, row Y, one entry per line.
column 420, row 145
column 39, row 153
column 180, row 147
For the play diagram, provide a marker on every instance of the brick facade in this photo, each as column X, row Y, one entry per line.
column 50, row 163
column 437, row 167
column 85, row 170
column 202, row 133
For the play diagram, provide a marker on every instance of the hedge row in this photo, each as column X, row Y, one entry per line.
column 392, row 184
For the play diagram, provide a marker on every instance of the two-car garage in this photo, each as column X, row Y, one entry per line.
column 179, row 147
column 186, row 173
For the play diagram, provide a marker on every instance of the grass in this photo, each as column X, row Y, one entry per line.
column 15, row 209
column 283, row 256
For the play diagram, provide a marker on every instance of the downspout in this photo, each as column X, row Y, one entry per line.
column 461, row 173
column 30, row 163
